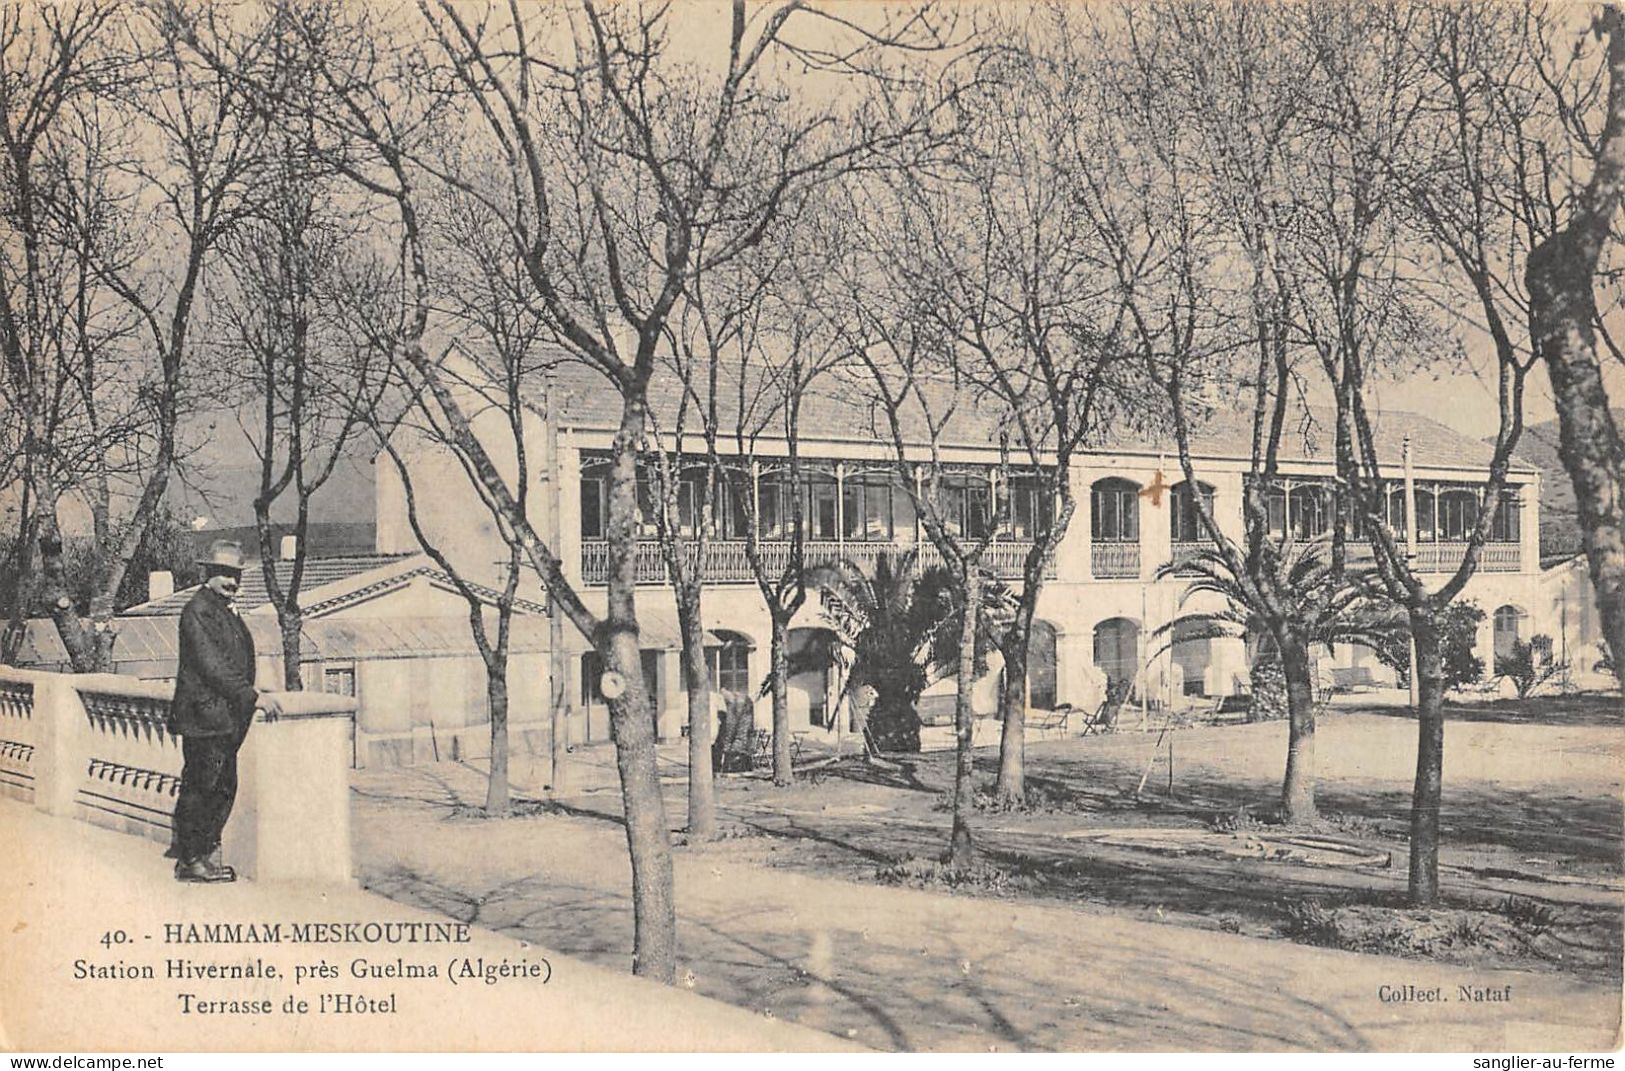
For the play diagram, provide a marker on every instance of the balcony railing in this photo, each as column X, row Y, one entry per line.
column 1446, row 557
column 1183, row 552
column 727, row 563
column 1114, row 561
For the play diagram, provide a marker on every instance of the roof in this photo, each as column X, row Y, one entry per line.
column 838, row 408
column 319, row 572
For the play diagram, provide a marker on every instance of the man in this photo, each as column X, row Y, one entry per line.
column 214, row 705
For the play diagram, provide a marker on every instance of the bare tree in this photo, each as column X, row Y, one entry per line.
column 1573, row 218
column 1370, row 107
column 1030, row 297
column 58, row 349
column 767, row 360
column 1210, row 121
column 281, row 303
column 886, row 311
column 188, row 143
column 615, row 158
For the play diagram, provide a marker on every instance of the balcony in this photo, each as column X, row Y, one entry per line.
column 1182, row 553
column 1446, row 557
column 727, row 563
column 1114, row 561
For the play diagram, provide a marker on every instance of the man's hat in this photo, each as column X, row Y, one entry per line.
column 223, row 554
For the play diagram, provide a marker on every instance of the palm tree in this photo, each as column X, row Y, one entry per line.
column 1311, row 603
column 895, row 632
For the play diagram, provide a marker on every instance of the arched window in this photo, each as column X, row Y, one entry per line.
column 1508, row 629
column 1117, row 648
column 1458, row 513
column 1185, row 520
column 1114, row 511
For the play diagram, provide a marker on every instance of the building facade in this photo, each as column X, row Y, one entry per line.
column 1100, row 611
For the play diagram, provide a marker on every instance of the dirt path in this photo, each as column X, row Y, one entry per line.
column 915, row 970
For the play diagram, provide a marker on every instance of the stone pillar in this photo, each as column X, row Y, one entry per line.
column 61, row 753
column 673, row 698
column 292, row 818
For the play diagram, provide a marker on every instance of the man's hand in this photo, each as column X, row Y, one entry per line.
column 270, row 704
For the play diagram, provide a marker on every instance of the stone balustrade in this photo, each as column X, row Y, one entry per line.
column 95, row 747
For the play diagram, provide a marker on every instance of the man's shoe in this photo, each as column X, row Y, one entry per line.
column 172, row 852
column 217, row 863
column 199, row 870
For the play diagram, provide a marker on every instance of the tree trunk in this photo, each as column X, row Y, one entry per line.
column 1011, row 786
column 702, row 802
column 1424, row 866
column 18, row 594
column 290, row 621
column 558, row 688
column 648, row 836
column 1298, row 788
column 1589, row 441
column 70, row 628
column 960, row 846
column 783, row 773
column 496, row 698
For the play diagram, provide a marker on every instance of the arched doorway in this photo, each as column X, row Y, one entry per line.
column 1117, row 648
column 1508, row 630
column 1041, row 665
column 1192, row 652
column 813, row 675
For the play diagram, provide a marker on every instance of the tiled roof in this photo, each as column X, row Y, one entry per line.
column 838, row 408
column 319, row 572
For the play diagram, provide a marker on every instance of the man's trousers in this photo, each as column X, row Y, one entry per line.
column 208, row 789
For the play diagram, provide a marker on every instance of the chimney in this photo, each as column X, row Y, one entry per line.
column 160, row 583
column 290, row 548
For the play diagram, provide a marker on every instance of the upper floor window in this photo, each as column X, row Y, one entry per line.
column 1032, row 508
column 595, row 500
column 776, row 501
column 731, row 510
column 1309, row 511
column 1458, row 514
column 965, row 503
column 691, row 495
column 1184, row 518
column 1426, row 528
column 1303, row 510
column 1505, row 527
column 1114, row 511
column 868, row 501
column 820, row 512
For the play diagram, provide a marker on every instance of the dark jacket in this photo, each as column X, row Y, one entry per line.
column 214, row 686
